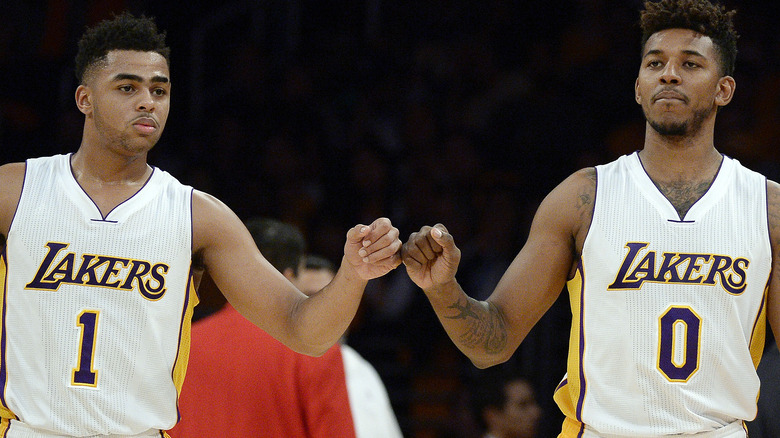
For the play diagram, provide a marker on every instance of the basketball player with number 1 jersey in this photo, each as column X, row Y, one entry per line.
column 101, row 255
column 118, row 283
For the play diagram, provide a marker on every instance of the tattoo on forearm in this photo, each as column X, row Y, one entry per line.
column 485, row 326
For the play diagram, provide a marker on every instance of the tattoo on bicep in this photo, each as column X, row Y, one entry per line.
column 586, row 195
column 773, row 204
column 485, row 326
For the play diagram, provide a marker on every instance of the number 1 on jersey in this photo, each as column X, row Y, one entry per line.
column 85, row 375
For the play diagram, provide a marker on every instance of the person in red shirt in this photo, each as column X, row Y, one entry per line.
column 372, row 412
column 242, row 382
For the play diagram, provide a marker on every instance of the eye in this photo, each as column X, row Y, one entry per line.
column 654, row 63
column 691, row 64
column 159, row 92
column 125, row 88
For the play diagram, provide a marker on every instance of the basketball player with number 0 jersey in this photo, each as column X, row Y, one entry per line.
column 667, row 253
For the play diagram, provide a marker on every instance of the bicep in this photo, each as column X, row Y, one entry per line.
column 773, row 302
column 246, row 279
column 11, row 181
column 538, row 274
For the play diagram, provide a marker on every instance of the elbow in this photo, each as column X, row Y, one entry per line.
column 311, row 349
column 317, row 351
column 487, row 362
column 481, row 364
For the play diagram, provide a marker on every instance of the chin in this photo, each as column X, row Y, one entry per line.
column 670, row 128
column 139, row 147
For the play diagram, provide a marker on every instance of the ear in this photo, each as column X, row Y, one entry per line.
column 637, row 96
column 726, row 87
column 84, row 99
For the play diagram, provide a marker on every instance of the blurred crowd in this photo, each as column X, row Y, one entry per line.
column 329, row 113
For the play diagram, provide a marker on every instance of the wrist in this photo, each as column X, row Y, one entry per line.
column 444, row 289
column 350, row 272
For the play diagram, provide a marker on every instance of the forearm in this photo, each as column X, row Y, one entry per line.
column 476, row 327
column 325, row 316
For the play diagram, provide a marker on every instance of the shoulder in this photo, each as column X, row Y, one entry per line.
column 579, row 187
column 11, row 181
column 12, row 171
column 773, row 191
column 209, row 216
column 773, row 213
column 573, row 198
column 566, row 212
column 204, row 203
column 583, row 183
column 208, row 211
column 216, row 229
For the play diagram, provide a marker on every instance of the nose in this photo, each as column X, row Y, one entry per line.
column 145, row 101
column 669, row 74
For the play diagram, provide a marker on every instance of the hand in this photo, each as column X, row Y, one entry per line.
column 431, row 257
column 373, row 250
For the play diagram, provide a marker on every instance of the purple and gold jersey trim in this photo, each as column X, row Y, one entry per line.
column 758, row 334
column 183, row 352
column 5, row 412
column 570, row 394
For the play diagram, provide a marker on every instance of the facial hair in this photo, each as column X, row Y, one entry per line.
column 680, row 128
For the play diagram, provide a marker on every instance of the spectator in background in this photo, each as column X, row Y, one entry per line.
column 372, row 413
column 504, row 406
column 243, row 382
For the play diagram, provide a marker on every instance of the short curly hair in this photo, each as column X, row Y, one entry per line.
column 122, row 32
column 700, row 16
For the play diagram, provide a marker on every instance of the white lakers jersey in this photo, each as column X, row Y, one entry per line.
column 668, row 312
column 96, row 310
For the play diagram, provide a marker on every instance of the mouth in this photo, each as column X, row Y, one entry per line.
column 145, row 125
column 669, row 96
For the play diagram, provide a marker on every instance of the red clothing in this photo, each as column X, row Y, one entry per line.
column 242, row 382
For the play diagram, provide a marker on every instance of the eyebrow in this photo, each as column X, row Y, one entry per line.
column 687, row 52
column 136, row 78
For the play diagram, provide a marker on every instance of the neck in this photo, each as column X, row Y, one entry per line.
column 682, row 171
column 680, row 157
column 99, row 166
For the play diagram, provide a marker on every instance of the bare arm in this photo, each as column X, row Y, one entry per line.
column 773, row 301
column 11, row 180
column 490, row 331
column 263, row 295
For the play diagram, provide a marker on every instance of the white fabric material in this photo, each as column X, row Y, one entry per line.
column 371, row 410
column 102, row 296
column 733, row 430
column 670, row 305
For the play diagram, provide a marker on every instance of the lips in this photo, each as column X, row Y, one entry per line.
column 669, row 95
column 146, row 125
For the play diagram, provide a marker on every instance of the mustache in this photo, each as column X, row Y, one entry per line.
column 670, row 92
column 143, row 117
